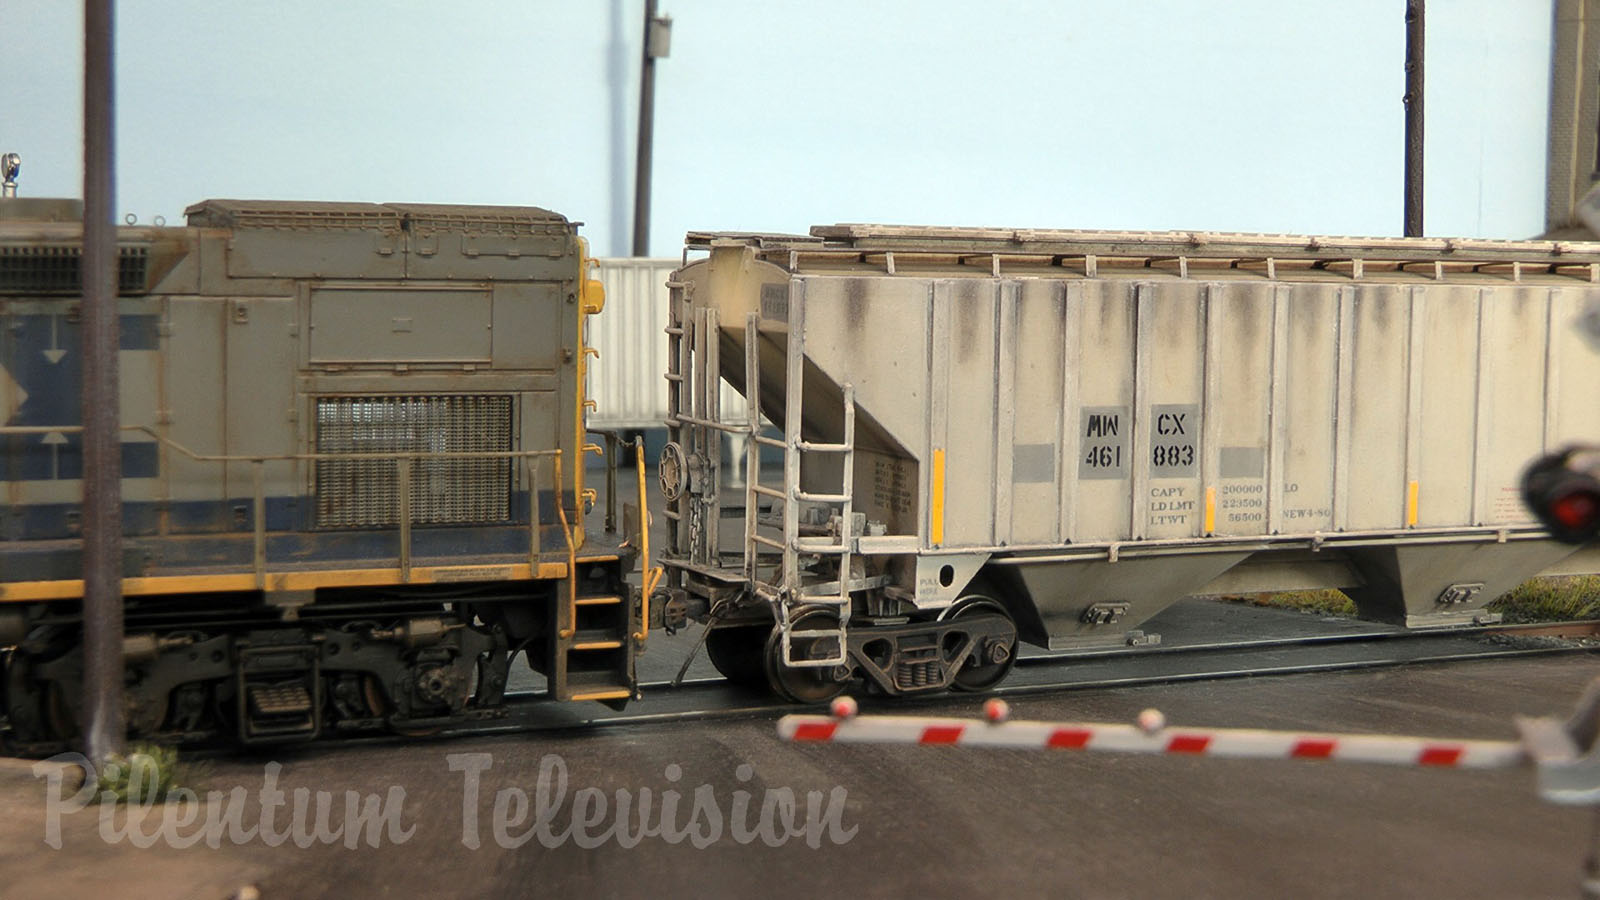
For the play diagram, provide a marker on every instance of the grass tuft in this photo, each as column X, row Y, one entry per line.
column 1551, row 600
column 1322, row 603
column 147, row 774
column 1540, row 600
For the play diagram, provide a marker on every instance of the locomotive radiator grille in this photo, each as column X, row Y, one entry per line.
column 58, row 269
column 366, row 492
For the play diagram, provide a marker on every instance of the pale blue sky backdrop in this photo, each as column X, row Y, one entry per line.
column 1252, row 115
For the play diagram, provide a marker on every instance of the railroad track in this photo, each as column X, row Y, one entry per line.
column 712, row 698
column 715, row 698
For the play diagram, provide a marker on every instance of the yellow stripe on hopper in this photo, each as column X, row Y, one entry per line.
column 936, row 512
column 1211, row 510
column 1411, row 504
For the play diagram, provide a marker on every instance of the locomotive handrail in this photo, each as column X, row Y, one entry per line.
column 648, row 577
column 288, row 457
column 572, row 560
column 613, row 440
column 403, row 460
column 729, row 427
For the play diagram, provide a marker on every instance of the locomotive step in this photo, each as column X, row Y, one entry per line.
column 280, row 700
column 600, row 600
column 610, row 693
column 597, row 686
column 596, row 639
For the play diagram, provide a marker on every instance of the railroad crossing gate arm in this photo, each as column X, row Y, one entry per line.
column 1564, row 753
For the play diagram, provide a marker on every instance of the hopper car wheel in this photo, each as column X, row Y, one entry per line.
column 807, row 684
column 739, row 653
column 993, row 661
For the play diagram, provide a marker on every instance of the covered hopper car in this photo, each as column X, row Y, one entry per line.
column 352, row 457
column 993, row 436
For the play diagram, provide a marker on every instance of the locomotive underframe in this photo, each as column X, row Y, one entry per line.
column 230, row 667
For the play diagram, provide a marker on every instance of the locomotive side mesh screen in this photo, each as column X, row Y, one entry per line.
column 57, row 269
column 366, row 492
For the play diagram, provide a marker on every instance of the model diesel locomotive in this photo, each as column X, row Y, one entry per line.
column 353, row 492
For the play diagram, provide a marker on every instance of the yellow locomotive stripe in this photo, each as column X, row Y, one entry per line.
column 936, row 504
column 72, row 589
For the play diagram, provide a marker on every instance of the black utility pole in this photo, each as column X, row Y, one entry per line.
column 657, row 42
column 1413, row 101
column 102, row 721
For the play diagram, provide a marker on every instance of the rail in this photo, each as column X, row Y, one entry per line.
column 403, row 460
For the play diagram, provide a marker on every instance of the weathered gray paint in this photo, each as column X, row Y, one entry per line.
column 260, row 306
column 1326, row 395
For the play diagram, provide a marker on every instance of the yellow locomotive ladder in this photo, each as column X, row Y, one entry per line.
column 594, row 639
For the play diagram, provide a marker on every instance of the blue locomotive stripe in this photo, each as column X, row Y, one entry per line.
column 138, row 332
column 290, row 526
column 145, row 554
column 59, row 456
column 43, row 356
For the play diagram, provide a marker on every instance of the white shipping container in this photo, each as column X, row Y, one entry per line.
column 627, row 382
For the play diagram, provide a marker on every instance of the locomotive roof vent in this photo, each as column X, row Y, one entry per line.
column 383, row 217
column 292, row 214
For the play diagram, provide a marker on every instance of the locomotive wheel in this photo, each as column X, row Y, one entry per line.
column 379, row 704
column 807, row 684
column 739, row 653
column 983, row 671
column 372, row 693
column 59, row 716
